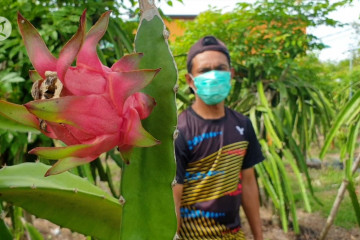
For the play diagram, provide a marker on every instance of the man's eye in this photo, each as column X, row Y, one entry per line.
column 205, row 70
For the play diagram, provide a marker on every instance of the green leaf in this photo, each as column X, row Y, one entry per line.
column 149, row 211
column 16, row 218
column 263, row 99
column 267, row 184
column 253, row 119
column 87, row 172
column 183, row 97
column 12, row 78
column 354, row 199
column 287, row 189
column 65, row 199
column 350, row 110
column 302, row 164
column 277, row 184
column 4, row 230
column 33, row 232
column 291, row 160
column 271, row 132
column 351, row 146
column 116, row 157
column 120, row 33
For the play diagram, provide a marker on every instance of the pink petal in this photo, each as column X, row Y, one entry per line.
column 124, row 84
column 71, row 49
column 76, row 155
column 142, row 102
column 106, row 68
column 92, row 149
column 92, row 114
column 62, row 132
column 127, row 63
column 79, row 135
column 88, row 56
column 48, row 131
column 39, row 54
column 134, row 134
column 81, row 81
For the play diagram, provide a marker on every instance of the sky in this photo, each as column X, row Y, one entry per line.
column 339, row 40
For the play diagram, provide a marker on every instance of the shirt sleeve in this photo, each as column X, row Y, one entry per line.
column 182, row 158
column 253, row 154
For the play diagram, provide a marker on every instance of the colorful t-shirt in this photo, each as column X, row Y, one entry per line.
column 210, row 155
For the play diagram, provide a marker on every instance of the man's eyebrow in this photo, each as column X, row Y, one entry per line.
column 216, row 66
column 223, row 65
column 202, row 69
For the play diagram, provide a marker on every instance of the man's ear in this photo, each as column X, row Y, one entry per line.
column 189, row 80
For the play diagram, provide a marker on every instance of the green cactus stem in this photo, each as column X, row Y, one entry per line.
column 149, row 211
column 65, row 199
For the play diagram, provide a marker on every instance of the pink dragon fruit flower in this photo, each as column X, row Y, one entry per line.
column 90, row 107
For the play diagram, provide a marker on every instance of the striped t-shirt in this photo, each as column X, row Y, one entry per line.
column 210, row 155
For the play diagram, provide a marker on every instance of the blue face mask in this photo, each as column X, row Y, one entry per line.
column 213, row 86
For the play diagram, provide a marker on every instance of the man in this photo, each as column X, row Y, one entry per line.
column 216, row 150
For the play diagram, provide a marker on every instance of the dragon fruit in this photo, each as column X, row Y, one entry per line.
column 90, row 107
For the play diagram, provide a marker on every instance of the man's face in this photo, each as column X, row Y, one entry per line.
column 207, row 61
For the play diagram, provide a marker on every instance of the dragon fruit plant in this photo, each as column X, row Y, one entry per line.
column 90, row 107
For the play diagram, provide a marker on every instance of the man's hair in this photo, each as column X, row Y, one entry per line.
column 205, row 44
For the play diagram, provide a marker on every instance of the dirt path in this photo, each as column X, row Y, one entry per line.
column 311, row 226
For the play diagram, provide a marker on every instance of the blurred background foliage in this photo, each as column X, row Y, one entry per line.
column 292, row 98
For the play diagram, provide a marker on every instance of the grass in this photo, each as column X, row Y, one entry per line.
column 326, row 183
column 345, row 216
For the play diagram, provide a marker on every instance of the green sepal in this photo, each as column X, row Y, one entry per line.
column 60, row 152
column 17, row 117
column 34, row 75
column 65, row 164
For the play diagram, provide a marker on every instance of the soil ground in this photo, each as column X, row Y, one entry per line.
column 311, row 226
